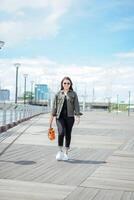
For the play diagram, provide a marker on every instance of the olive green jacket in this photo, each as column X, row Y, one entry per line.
column 73, row 107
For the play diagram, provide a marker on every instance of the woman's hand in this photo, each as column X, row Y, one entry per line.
column 50, row 125
column 77, row 119
column 51, row 121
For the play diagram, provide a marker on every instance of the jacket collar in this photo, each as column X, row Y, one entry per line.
column 62, row 91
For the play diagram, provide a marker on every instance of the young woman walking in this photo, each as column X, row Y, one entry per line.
column 65, row 107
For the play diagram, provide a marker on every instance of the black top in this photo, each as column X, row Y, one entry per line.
column 64, row 108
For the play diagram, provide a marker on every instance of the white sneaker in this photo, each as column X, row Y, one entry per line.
column 59, row 155
column 65, row 157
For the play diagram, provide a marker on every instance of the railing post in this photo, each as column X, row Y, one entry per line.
column 19, row 114
column 16, row 115
column 4, row 117
column 11, row 116
column 24, row 112
column 8, row 116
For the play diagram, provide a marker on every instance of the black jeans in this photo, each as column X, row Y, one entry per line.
column 64, row 126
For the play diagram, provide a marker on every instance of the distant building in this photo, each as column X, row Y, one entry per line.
column 130, row 108
column 4, row 95
column 99, row 106
column 41, row 92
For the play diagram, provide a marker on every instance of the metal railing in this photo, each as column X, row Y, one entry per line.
column 17, row 113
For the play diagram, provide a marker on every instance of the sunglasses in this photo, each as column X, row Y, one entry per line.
column 66, row 83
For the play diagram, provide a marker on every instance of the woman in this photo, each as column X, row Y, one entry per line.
column 65, row 106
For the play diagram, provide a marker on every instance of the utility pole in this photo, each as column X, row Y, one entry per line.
column 117, row 104
column 32, row 82
column 17, row 65
column 129, row 102
column 93, row 95
column 25, row 85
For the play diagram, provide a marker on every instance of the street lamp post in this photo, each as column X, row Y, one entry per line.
column 129, row 102
column 1, row 44
column 17, row 65
column 25, row 85
column 109, row 104
column 117, row 104
column 93, row 95
column 38, row 93
column 32, row 82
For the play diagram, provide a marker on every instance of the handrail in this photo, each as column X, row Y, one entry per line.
column 14, row 114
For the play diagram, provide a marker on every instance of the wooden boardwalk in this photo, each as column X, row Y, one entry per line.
column 101, row 164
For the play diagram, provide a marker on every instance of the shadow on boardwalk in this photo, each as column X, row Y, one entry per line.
column 20, row 162
column 75, row 161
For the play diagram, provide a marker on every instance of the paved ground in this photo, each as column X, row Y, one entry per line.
column 101, row 165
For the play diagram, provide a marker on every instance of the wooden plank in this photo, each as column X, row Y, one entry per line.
column 127, row 196
column 107, row 183
column 108, row 195
column 124, row 153
column 82, row 193
column 114, row 173
column 14, row 190
column 120, row 159
column 82, row 164
column 94, row 141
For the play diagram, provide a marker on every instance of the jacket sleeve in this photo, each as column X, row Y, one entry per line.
column 54, row 107
column 76, row 106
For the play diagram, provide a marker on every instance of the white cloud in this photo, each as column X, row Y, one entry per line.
column 16, row 5
column 106, row 81
column 31, row 19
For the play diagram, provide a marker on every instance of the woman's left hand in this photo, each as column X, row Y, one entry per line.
column 77, row 119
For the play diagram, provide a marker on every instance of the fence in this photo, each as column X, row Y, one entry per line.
column 14, row 114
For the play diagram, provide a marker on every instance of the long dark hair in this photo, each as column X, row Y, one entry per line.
column 71, row 84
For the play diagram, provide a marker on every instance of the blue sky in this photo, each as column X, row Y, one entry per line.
column 87, row 34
